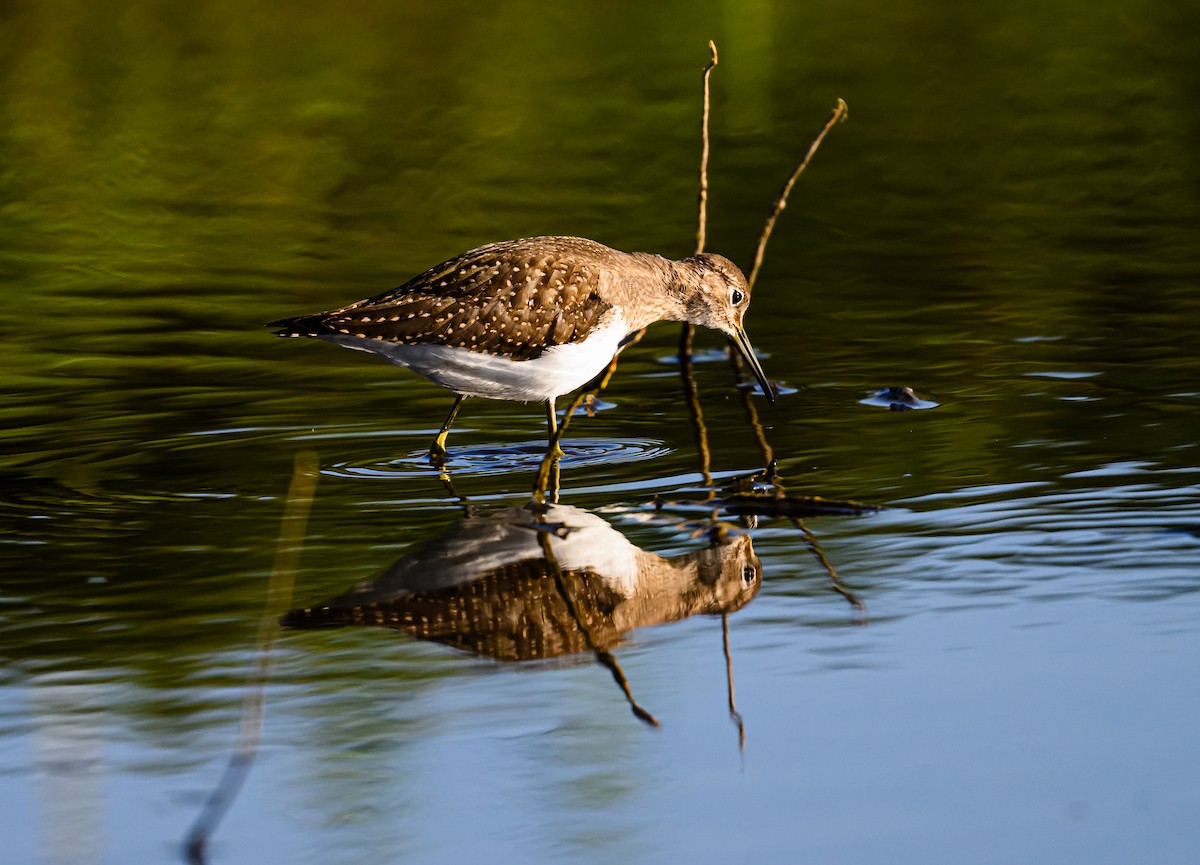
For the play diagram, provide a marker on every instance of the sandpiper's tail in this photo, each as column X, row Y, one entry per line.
column 304, row 325
column 323, row 617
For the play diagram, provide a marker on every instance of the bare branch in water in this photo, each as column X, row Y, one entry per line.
column 700, row 231
column 839, row 113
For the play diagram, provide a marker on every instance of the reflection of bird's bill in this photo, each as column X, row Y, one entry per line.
column 743, row 343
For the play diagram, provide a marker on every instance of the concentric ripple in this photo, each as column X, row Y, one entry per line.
column 488, row 459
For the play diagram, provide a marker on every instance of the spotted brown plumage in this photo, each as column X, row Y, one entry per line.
column 532, row 319
column 488, row 586
column 513, row 299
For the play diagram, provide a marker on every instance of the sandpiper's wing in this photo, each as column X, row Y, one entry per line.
column 514, row 298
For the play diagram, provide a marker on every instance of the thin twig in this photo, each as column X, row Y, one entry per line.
column 601, row 381
column 735, row 361
column 839, row 113
column 700, row 231
column 687, row 330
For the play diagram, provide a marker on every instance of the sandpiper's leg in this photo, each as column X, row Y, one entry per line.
column 554, row 436
column 543, row 487
column 437, row 453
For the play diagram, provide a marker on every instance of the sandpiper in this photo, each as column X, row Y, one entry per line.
column 533, row 319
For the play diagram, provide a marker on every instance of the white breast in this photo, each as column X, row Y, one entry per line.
column 557, row 371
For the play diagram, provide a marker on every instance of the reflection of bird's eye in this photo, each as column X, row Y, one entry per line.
column 748, row 574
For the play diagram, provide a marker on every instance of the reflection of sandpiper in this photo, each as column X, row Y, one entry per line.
column 533, row 319
column 497, row 586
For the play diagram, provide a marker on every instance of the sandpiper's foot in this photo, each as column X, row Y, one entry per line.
column 541, row 483
column 545, row 482
column 437, row 452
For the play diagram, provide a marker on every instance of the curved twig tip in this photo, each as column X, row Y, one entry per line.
column 703, row 221
column 838, row 114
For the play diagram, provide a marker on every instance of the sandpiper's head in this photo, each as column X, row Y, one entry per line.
column 716, row 295
column 728, row 575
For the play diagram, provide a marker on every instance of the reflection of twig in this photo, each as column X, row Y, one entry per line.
column 781, row 201
column 747, row 395
column 834, row 580
column 607, row 660
column 603, row 656
column 712, row 47
column 733, row 712
column 279, row 596
column 693, row 403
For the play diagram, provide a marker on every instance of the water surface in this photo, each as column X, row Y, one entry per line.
column 1004, row 670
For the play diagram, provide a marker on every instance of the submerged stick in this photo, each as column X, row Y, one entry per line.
column 279, row 596
column 734, row 714
column 839, row 113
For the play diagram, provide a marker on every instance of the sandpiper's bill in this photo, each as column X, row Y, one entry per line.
column 533, row 319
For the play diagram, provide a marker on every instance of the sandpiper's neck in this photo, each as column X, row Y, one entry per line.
column 649, row 289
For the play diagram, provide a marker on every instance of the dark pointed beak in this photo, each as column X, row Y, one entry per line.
column 743, row 343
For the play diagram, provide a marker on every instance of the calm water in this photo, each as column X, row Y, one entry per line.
column 1007, row 223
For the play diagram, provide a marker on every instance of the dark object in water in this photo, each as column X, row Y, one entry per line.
column 898, row 398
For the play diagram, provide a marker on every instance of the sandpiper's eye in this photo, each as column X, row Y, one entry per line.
column 748, row 574
column 736, row 296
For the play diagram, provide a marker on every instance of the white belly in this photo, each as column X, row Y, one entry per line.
column 558, row 370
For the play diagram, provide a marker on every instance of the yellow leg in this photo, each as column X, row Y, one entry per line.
column 542, row 486
column 553, row 435
column 437, row 452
